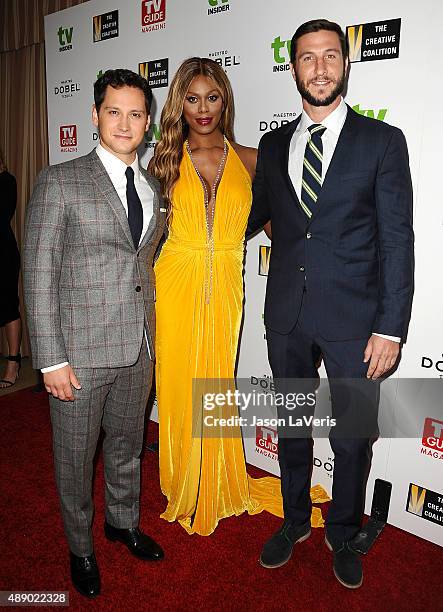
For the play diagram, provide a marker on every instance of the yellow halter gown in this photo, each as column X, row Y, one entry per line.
column 199, row 310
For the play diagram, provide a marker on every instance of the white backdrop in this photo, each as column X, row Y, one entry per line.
column 249, row 38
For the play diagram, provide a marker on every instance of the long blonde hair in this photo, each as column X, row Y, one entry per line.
column 165, row 164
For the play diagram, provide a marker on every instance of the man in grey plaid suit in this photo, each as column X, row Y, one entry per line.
column 93, row 226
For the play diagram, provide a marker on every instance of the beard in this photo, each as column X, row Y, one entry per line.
column 312, row 100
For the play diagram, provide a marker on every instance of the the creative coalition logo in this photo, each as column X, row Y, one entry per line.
column 218, row 6
column 264, row 255
column 225, row 58
column 425, row 503
column 105, row 26
column 432, row 440
column 65, row 38
column 68, row 138
column 374, row 41
column 155, row 72
column 266, row 442
column 66, row 89
column 282, row 52
column 153, row 15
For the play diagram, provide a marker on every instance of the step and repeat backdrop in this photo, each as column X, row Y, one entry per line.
column 396, row 52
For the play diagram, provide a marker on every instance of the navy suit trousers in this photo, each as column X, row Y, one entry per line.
column 354, row 401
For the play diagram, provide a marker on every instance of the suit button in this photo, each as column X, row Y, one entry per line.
column 302, row 268
column 138, row 288
column 308, row 235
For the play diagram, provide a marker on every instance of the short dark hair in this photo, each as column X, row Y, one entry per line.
column 315, row 25
column 119, row 78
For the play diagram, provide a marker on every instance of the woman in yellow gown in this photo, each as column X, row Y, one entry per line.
column 206, row 179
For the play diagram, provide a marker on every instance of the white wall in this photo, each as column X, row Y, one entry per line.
column 401, row 90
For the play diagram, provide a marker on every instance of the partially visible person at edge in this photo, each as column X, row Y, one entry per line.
column 10, row 256
column 337, row 189
column 206, row 178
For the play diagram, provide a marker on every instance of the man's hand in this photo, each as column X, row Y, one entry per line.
column 382, row 354
column 59, row 383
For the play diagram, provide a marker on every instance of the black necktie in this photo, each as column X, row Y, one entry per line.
column 312, row 169
column 135, row 210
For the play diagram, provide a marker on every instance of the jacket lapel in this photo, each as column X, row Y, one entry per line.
column 155, row 209
column 105, row 186
column 340, row 158
column 287, row 136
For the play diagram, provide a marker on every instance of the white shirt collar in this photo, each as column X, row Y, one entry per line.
column 115, row 166
column 333, row 122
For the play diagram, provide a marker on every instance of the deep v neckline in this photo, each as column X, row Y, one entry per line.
column 201, row 178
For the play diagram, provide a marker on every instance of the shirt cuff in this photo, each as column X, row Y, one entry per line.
column 54, row 367
column 393, row 338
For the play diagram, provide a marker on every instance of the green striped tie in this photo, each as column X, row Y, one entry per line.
column 312, row 169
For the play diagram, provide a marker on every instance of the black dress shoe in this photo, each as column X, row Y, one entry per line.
column 140, row 545
column 347, row 565
column 278, row 550
column 85, row 575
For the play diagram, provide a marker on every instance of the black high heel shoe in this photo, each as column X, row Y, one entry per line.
column 4, row 383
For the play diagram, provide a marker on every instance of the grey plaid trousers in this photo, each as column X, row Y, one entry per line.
column 114, row 398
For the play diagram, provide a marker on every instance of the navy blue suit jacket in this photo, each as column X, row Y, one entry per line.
column 356, row 252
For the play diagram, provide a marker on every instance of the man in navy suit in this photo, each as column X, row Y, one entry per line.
column 337, row 189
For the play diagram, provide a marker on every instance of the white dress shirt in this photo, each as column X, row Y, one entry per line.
column 116, row 169
column 333, row 123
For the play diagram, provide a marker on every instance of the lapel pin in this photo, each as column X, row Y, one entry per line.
column 162, row 209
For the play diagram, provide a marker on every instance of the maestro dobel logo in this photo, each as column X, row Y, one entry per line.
column 428, row 363
column 155, row 72
column 225, row 59
column 425, row 503
column 153, row 15
column 278, row 119
column 66, row 89
column 378, row 40
column 105, row 26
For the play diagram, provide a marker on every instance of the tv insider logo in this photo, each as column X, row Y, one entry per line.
column 218, row 6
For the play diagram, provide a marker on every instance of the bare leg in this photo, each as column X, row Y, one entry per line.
column 13, row 331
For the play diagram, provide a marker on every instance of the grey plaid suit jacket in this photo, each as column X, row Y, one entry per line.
column 89, row 293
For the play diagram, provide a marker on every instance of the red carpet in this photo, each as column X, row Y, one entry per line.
column 402, row 572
